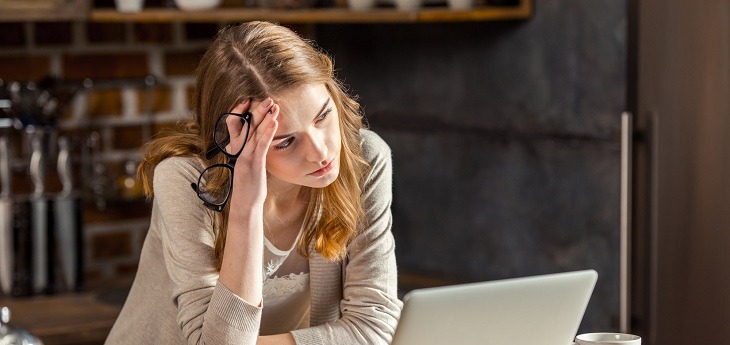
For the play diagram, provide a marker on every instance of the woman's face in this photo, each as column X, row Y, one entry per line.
column 306, row 147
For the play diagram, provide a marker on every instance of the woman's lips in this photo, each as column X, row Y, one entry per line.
column 324, row 170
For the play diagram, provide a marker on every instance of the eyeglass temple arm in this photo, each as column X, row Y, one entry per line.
column 212, row 151
column 217, row 208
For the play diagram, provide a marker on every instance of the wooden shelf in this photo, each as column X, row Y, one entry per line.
column 313, row 16
column 45, row 11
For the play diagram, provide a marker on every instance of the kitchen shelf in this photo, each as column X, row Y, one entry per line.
column 43, row 10
column 319, row 15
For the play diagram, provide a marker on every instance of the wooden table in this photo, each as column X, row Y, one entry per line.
column 86, row 318
column 80, row 319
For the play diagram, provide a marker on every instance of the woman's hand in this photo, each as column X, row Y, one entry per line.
column 249, row 174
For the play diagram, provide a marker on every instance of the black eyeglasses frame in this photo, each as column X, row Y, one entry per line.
column 246, row 118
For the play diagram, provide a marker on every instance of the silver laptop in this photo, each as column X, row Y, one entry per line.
column 539, row 310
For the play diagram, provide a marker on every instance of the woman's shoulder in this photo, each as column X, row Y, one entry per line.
column 180, row 164
column 178, row 168
column 374, row 148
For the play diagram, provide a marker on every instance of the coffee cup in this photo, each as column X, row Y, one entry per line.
column 608, row 339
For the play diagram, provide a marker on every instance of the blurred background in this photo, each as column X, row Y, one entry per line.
column 511, row 155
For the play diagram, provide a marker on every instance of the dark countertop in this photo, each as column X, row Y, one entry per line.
column 65, row 319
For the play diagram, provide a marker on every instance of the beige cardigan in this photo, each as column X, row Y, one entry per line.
column 176, row 297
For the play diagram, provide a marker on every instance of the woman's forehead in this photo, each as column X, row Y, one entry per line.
column 301, row 105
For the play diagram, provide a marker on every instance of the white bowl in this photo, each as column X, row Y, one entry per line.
column 361, row 4
column 129, row 6
column 197, row 5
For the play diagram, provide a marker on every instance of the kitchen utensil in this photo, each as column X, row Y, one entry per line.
column 40, row 105
column 5, row 102
column 6, row 221
column 68, row 222
column 14, row 336
column 23, row 246
column 39, row 221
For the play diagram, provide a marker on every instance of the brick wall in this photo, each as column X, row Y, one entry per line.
column 123, row 115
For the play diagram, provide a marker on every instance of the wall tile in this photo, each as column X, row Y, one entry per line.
column 111, row 245
column 161, row 129
column 161, row 100
column 153, row 33
column 182, row 63
column 23, row 68
column 105, row 103
column 200, row 31
column 105, row 32
column 53, row 33
column 13, row 35
column 105, row 66
column 127, row 137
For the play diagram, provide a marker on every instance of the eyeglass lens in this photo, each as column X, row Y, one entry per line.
column 221, row 135
column 214, row 184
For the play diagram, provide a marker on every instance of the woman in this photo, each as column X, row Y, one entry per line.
column 277, row 159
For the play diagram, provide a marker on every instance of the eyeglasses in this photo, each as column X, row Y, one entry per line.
column 216, row 181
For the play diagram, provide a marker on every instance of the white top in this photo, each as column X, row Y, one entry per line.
column 286, row 297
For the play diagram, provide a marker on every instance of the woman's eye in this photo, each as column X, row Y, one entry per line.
column 324, row 115
column 284, row 144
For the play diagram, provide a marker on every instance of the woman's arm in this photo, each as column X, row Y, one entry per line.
column 215, row 307
column 243, row 255
column 207, row 311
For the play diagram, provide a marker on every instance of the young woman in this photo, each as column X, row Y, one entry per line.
column 271, row 212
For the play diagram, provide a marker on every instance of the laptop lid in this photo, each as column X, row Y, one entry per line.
column 544, row 310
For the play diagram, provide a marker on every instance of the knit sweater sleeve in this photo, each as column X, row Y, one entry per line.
column 208, row 313
column 370, row 307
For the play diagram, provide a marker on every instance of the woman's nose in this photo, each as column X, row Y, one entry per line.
column 317, row 152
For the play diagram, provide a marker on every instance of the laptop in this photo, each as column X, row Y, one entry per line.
column 538, row 310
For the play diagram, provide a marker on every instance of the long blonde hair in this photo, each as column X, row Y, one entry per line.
column 255, row 60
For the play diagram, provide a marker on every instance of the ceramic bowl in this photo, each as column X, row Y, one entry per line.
column 197, row 5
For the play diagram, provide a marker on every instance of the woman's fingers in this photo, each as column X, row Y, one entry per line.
column 236, row 131
column 266, row 136
column 240, row 108
column 237, row 127
column 255, row 136
column 268, row 118
column 258, row 111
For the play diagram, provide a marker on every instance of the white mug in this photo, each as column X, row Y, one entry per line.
column 608, row 339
